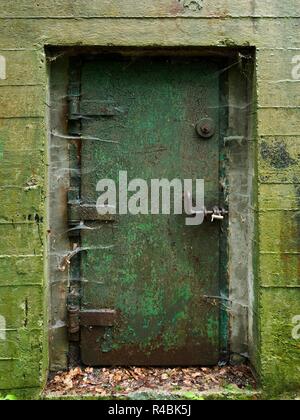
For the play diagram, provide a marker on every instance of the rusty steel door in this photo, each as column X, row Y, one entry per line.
column 149, row 283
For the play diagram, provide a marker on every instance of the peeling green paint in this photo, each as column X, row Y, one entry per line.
column 160, row 255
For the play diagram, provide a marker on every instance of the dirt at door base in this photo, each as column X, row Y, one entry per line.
column 123, row 382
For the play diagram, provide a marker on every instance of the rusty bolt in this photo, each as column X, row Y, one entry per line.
column 205, row 128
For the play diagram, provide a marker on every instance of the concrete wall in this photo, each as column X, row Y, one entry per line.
column 272, row 26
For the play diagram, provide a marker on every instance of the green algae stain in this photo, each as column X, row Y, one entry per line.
column 277, row 155
column 9, row 398
column 212, row 327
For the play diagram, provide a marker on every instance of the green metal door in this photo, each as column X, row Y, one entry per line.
column 149, row 283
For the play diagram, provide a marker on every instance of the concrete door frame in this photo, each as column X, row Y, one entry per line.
column 237, row 100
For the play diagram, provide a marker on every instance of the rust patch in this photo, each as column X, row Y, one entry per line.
column 98, row 352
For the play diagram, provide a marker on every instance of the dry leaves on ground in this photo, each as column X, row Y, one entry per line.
column 112, row 381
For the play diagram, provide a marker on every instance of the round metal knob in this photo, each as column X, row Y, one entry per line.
column 205, row 128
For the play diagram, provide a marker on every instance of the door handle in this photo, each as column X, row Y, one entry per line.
column 216, row 213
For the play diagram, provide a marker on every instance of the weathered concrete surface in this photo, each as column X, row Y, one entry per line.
column 217, row 394
column 276, row 85
column 280, row 351
column 271, row 26
column 154, row 8
column 240, row 173
column 26, row 33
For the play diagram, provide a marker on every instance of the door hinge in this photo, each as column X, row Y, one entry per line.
column 81, row 109
column 73, row 320
column 98, row 318
column 81, row 212
column 89, row 319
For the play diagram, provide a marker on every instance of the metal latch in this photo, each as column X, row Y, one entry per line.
column 216, row 213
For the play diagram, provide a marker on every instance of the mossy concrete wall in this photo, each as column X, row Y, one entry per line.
column 27, row 26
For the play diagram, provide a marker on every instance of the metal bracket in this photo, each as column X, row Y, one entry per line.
column 99, row 318
column 93, row 109
column 81, row 212
column 89, row 319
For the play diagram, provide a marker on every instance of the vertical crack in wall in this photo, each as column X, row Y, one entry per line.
column 26, row 311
